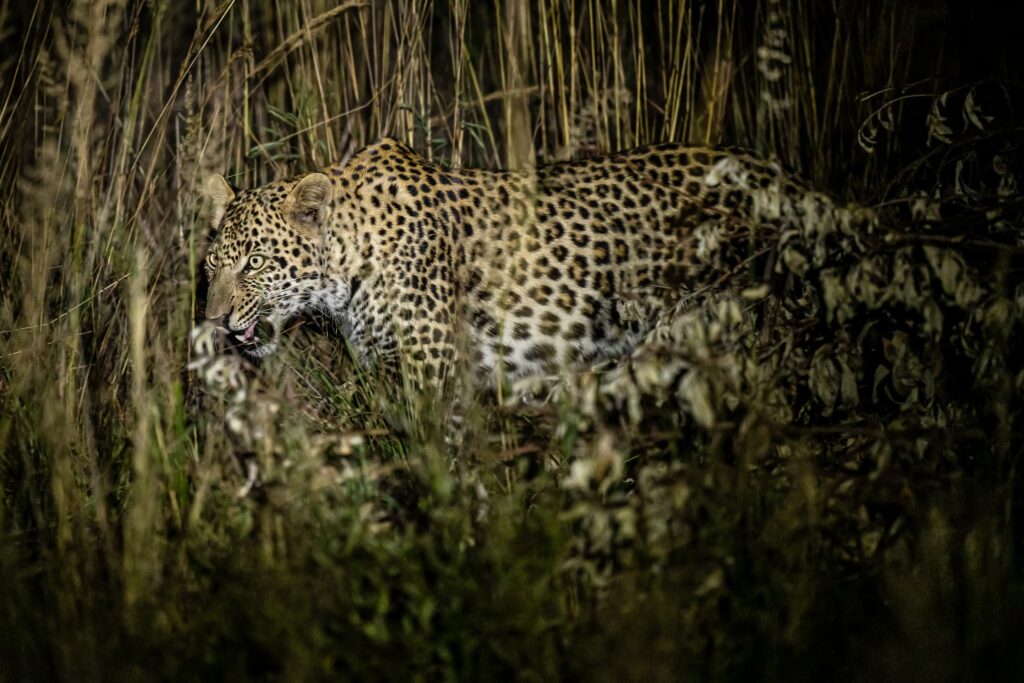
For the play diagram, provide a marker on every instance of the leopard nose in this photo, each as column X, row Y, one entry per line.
column 218, row 315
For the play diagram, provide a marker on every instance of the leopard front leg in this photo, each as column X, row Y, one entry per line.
column 425, row 309
column 425, row 340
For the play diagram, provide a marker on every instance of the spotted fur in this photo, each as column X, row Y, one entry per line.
column 517, row 273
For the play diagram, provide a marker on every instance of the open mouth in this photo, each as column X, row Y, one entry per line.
column 256, row 341
column 257, row 335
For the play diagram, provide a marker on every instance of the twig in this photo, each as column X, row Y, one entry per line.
column 295, row 39
column 67, row 312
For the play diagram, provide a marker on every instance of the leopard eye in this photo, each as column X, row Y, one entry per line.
column 256, row 261
column 211, row 260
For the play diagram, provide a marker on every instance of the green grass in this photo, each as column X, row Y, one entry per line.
column 814, row 481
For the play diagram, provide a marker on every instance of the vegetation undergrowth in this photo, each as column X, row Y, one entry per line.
column 807, row 471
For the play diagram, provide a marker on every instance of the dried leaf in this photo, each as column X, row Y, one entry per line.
column 936, row 122
column 824, row 379
column 696, row 395
column 973, row 113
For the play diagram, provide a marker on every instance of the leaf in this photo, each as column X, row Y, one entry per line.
column 946, row 266
column 755, row 293
column 848, row 385
column 960, row 187
column 933, row 318
column 835, row 295
column 881, row 372
column 867, row 137
column 973, row 113
column 824, row 378
column 795, row 261
column 887, row 119
column 996, row 317
column 937, row 128
column 923, row 207
column 695, row 392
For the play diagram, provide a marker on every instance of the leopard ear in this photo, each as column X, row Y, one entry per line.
column 220, row 195
column 309, row 200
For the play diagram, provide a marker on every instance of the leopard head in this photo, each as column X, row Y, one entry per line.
column 264, row 263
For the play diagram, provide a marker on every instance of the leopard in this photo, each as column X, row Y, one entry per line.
column 427, row 268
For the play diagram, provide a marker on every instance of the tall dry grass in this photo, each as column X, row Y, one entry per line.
column 303, row 523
